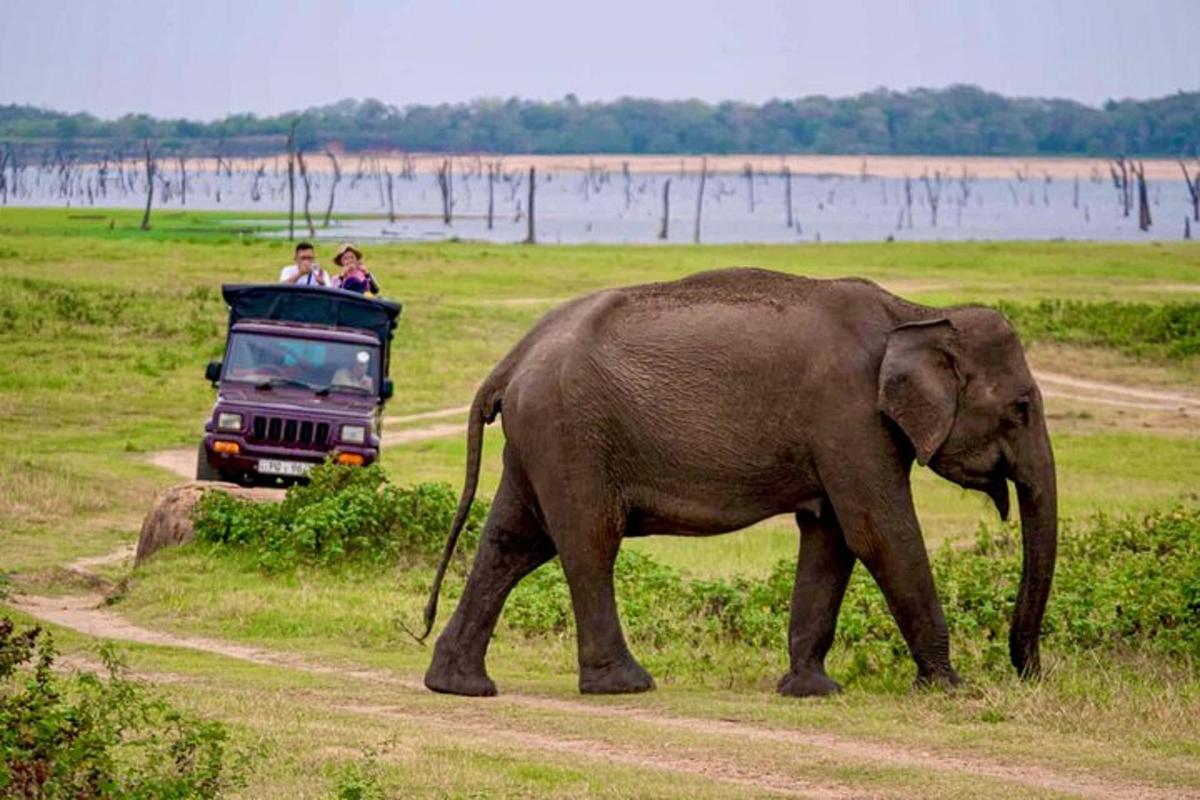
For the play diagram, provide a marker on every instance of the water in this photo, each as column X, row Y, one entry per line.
column 604, row 207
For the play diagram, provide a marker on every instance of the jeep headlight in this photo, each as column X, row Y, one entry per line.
column 354, row 434
column 227, row 421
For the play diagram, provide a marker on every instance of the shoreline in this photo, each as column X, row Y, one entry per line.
column 1034, row 169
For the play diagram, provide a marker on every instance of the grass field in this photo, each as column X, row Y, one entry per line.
column 104, row 332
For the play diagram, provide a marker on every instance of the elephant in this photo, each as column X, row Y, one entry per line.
column 705, row 405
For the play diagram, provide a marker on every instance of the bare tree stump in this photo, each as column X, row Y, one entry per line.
column 1193, row 187
column 337, row 176
column 787, row 194
column 666, row 215
column 391, row 202
column 291, row 179
column 700, row 199
column 149, row 185
column 312, row 231
column 1143, row 199
column 530, row 237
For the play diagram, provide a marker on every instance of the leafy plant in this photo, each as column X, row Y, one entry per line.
column 345, row 515
column 1121, row 584
column 1170, row 330
column 89, row 736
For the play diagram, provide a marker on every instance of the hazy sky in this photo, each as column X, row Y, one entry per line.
column 203, row 59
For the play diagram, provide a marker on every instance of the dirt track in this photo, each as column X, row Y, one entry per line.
column 88, row 614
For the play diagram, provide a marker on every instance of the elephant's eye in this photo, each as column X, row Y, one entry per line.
column 1020, row 410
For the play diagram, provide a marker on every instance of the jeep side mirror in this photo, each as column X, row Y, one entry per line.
column 388, row 389
column 212, row 373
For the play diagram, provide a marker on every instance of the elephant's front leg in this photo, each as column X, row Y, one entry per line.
column 822, row 572
column 876, row 514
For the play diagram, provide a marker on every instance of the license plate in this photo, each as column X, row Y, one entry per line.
column 270, row 466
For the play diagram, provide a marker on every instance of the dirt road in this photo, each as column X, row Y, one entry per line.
column 487, row 720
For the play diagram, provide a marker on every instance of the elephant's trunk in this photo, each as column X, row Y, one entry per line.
column 1037, row 495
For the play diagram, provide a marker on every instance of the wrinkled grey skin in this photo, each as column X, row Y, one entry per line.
column 706, row 405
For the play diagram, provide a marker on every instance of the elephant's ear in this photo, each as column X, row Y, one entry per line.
column 918, row 384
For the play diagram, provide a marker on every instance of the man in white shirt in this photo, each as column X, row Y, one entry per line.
column 306, row 271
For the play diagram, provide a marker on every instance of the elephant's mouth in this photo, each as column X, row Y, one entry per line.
column 997, row 489
column 994, row 484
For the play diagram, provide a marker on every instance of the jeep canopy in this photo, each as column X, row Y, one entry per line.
column 313, row 305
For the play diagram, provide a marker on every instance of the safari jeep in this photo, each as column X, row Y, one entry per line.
column 304, row 377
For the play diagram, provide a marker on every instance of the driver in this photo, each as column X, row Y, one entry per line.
column 355, row 374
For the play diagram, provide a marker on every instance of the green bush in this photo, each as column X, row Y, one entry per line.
column 360, row 781
column 1170, row 330
column 88, row 736
column 344, row 515
column 1120, row 584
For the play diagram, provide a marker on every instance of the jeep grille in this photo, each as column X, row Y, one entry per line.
column 284, row 431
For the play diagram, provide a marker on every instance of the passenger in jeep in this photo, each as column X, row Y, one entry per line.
column 305, row 271
column 356, row 374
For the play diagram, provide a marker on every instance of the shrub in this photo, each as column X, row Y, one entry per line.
column 89, row 736
column 360, row 781
column 1170, row 330
column 1120, row 584
column 344, row 515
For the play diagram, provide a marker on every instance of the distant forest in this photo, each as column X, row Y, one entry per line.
column 959, row 120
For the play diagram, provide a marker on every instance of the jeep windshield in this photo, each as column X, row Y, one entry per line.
column 269, row 361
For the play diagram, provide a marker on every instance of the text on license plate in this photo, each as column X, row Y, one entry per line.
column 270, row 466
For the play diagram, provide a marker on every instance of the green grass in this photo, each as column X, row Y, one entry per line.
column 104, row 333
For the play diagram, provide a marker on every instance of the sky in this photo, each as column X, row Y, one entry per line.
column 203, row 60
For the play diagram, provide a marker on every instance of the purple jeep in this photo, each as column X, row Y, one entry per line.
column 304, row 377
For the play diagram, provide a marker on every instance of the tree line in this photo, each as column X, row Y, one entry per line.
column 959, row 120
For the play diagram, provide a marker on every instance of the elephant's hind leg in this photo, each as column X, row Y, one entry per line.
column 588, row 540
column 822, row 572
column 512, row 546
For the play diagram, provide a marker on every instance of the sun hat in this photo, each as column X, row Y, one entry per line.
column 341, row 251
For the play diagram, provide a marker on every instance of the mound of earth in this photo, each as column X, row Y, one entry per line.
column 170, row 519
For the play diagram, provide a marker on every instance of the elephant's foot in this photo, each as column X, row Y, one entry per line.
column 945, row 678
column 808, row 683
column 624, row 676
column 447, row 675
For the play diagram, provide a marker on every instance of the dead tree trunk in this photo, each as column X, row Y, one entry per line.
column 666, row 215
column 291, row 178
column 337, row 176
column 748, row 174
column 387, row 174
column 182, row 180
column 149, row 186
column 933, row 191
column 445, row 178
column 530, row 237
column 1120, row 176
column 1193, row 187
column 255, row 189
column 3, row 176
column 700, row 199
column 787, row 194
column 312, row 231
column 1143, row 200
column 908, row 200
column 1187, row 227
column 492, row 170
column 628, row 184
column 1075, row 194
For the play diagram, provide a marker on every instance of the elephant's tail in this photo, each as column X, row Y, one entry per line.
column 483, row 410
